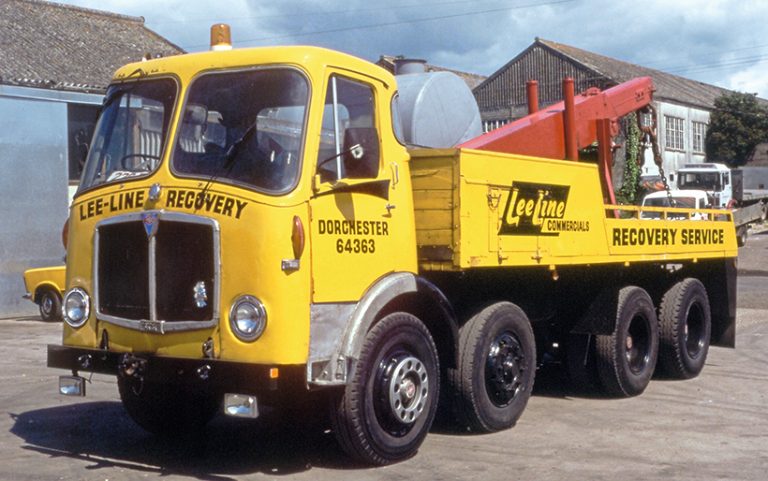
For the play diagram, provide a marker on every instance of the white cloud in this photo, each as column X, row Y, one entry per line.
column 751, row 80
column 693, row 38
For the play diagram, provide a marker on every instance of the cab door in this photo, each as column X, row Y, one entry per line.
column 359, row 228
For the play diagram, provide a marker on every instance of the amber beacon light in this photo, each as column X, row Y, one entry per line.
column 221, row 37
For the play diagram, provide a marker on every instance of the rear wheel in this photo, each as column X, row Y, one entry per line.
column 686, row 325
column 50, row 305
column 626, row 358
column 497, row 363
column 165, row 409
column 388, row 406
column 741, row 235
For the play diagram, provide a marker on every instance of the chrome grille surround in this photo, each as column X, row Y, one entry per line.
column 125, row 284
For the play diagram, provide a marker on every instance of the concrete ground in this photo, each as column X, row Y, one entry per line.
column 711, row 427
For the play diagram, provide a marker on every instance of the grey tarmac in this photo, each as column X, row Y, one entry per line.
column 711, row 427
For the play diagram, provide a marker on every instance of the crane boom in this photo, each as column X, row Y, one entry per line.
column 560, row 130
column 541, row 133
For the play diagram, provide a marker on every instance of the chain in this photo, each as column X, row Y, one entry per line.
column 648, row 134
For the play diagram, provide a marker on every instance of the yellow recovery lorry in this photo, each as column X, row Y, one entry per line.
column 251, row 229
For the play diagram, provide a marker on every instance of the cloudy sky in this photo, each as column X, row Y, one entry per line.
column 722, row 42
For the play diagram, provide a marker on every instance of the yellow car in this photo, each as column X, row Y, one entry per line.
column 45, row 286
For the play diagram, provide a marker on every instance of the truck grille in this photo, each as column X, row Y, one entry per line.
column 159, row 280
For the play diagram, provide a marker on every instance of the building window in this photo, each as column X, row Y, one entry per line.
column 81, row 120
column 646, row 120
column 489, row 125
column 674, row 128
column 699, row 133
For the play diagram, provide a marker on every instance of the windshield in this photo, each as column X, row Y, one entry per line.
column 246, row 127
column 699, row 180
column 681, row 202
column 130, row 133
column 657, row 202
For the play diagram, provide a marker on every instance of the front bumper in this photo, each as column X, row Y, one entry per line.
column 269, row 383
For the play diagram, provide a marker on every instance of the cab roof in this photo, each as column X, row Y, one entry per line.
column 707, row 166
column 311, row 59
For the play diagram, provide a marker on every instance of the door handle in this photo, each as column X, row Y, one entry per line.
column 395, row 174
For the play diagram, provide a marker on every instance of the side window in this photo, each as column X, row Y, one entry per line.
column 349, row 143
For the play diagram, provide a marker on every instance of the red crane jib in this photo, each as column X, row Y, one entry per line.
column 542, row 133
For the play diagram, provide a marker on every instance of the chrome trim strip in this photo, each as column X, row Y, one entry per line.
column 152, row 284
column 157, row 325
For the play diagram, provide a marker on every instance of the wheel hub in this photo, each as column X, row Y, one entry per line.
column 693, row 331
column 408, row 389
column 47, row 304
column 637, row 345
column 504, row 369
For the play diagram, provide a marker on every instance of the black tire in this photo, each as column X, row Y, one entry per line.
column 686, row 326
column 741, row 235
column 166, row 409
column 49, row 302
column 389, row 404
column 627, row 358
column 496, row 368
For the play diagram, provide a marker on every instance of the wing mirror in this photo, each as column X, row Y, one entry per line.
column 361, row 153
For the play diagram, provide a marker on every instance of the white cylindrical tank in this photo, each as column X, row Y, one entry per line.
column 437, row 110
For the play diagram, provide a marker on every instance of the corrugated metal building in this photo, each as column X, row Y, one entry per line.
column 55, row 63
column 683, row 105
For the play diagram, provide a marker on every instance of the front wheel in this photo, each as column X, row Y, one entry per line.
column 388, row 406
column 626, row 358
column 50, row 305
column 497, row 362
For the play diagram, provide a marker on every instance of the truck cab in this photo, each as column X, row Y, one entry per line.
column 713, row 178
column 225, row 209
column 190, row 170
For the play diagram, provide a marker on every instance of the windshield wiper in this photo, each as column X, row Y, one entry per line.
column 229, row 160
column 231, row 154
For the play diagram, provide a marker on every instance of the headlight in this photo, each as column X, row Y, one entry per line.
column 248, row 318
column 76, row 307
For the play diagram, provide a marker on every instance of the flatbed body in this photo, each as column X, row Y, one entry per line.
column 483, row 209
